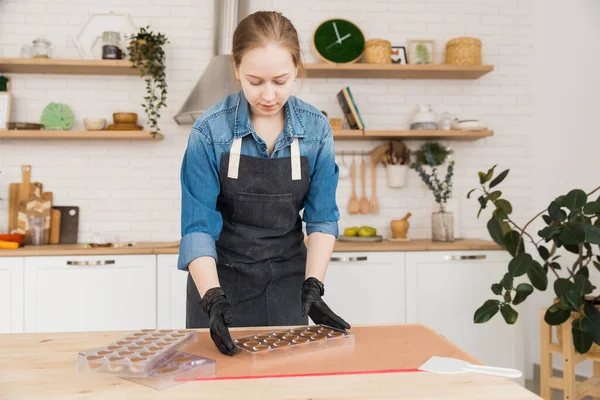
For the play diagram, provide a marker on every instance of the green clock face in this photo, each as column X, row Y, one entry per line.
column 339, row 41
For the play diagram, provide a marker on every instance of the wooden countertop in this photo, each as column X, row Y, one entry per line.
column 173, row 248
column 42, row 366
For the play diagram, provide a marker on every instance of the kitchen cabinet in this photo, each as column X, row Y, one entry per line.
column 11, row 295
column 90, row 293
column 443, row 291
column 367, row 287
column 363, row 288
column 171, row 291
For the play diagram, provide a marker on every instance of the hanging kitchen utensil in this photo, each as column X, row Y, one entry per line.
column 374, row 204
column 364, row 202
column 353, row 204
column 446, row 365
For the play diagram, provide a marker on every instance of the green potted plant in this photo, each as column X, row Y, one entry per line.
column 572, row 224
column 147, row 55
column 433, row 155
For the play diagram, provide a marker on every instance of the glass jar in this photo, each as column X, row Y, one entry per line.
column 111, row 46
column 442, row 226
column 42, row 48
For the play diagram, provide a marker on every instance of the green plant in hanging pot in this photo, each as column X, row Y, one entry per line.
column 148, row 56
column 433, row 155
column 572, row 226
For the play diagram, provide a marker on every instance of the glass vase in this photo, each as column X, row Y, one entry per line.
column 442, row 226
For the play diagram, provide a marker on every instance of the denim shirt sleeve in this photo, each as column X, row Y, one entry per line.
column 201, row 223
column 321, row 212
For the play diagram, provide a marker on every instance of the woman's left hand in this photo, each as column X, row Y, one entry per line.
column 314, row 306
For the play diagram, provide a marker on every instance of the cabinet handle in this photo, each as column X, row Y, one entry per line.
column 463, row 257
column 91, row 263
column 348, row 259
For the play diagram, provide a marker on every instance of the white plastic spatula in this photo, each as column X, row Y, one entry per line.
column 446, row 365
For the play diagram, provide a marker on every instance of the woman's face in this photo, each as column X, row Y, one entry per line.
column 267, row 77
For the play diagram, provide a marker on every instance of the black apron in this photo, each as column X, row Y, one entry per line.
column 261, row 251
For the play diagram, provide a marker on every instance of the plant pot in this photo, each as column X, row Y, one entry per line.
column 396, row 175
column 595, row 348
column 442, row 226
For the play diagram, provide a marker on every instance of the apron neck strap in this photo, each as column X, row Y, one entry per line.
column 234, row 159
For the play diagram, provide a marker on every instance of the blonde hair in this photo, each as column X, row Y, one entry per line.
column 262, row 28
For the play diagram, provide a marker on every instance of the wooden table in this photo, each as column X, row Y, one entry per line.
column 42, row 366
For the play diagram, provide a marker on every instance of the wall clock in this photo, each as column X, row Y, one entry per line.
column 338, row 41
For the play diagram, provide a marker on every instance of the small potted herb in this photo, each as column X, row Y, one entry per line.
column 147, row 55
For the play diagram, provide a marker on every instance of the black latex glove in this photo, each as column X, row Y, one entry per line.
column 315, row 307
column 220, row 315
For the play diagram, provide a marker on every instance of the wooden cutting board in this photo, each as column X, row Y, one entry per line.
column 15, row 191
column 69, row 224
column 34, row 206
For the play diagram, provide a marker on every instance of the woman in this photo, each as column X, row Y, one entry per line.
column 253, row 161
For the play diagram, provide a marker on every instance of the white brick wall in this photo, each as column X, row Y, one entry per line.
column 132, row 188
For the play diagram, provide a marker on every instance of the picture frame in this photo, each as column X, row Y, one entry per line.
column 5, row 108
column 422, row 51
column 399, row 55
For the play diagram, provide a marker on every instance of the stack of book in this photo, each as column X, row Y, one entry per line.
column 350, row 109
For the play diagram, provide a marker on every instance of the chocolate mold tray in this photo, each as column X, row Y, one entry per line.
column 180, row 368
column 137, row 354
column 293, row 341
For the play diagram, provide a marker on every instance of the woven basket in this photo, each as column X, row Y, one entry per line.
column 594, row 349
column 378, row 51
column 463, row 51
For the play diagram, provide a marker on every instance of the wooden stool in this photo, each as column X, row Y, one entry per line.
column 572, row 390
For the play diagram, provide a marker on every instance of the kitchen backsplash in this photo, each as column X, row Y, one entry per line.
column 131, row 189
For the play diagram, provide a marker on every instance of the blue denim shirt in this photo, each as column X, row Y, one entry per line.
column 213, row 133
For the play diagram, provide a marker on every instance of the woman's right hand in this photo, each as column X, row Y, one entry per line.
column 220, row 314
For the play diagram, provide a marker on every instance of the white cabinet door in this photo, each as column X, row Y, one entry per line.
column 367, row 287
column 444, row 289
column 11, row 294
column 90, row 293
column 171, row 293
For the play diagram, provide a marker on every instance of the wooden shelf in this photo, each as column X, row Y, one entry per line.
column 396, row 71
column 60, row 135
column 65, row 66
column 356, row 134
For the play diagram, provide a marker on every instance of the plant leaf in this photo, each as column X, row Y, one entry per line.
column 582, row 285
column 507, row 281
column 482, row 201
column 504, row 205
column 495, row 195
column 556, row 213
column 499, row 214
column 581, row 340
column 537, row 276
column 549, row 232
column 572, row 299
column 483, row 178
column 509, row 314
column 593, row 207
column 556, row 315
column 520, row 264
column 576, row 198
column 470, row 191
column 497, row 180
column 592, row 313
column 495, row 230
column 544, row 253
column 523, row 291
column 486, row 311
column 572, row 234
column 547, row 219
column 592, row 233
column 510, row 240
column 562, row 286
column 497, row 288
column 597, row 265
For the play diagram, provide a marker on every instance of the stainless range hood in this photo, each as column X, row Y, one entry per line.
column 218, row 79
